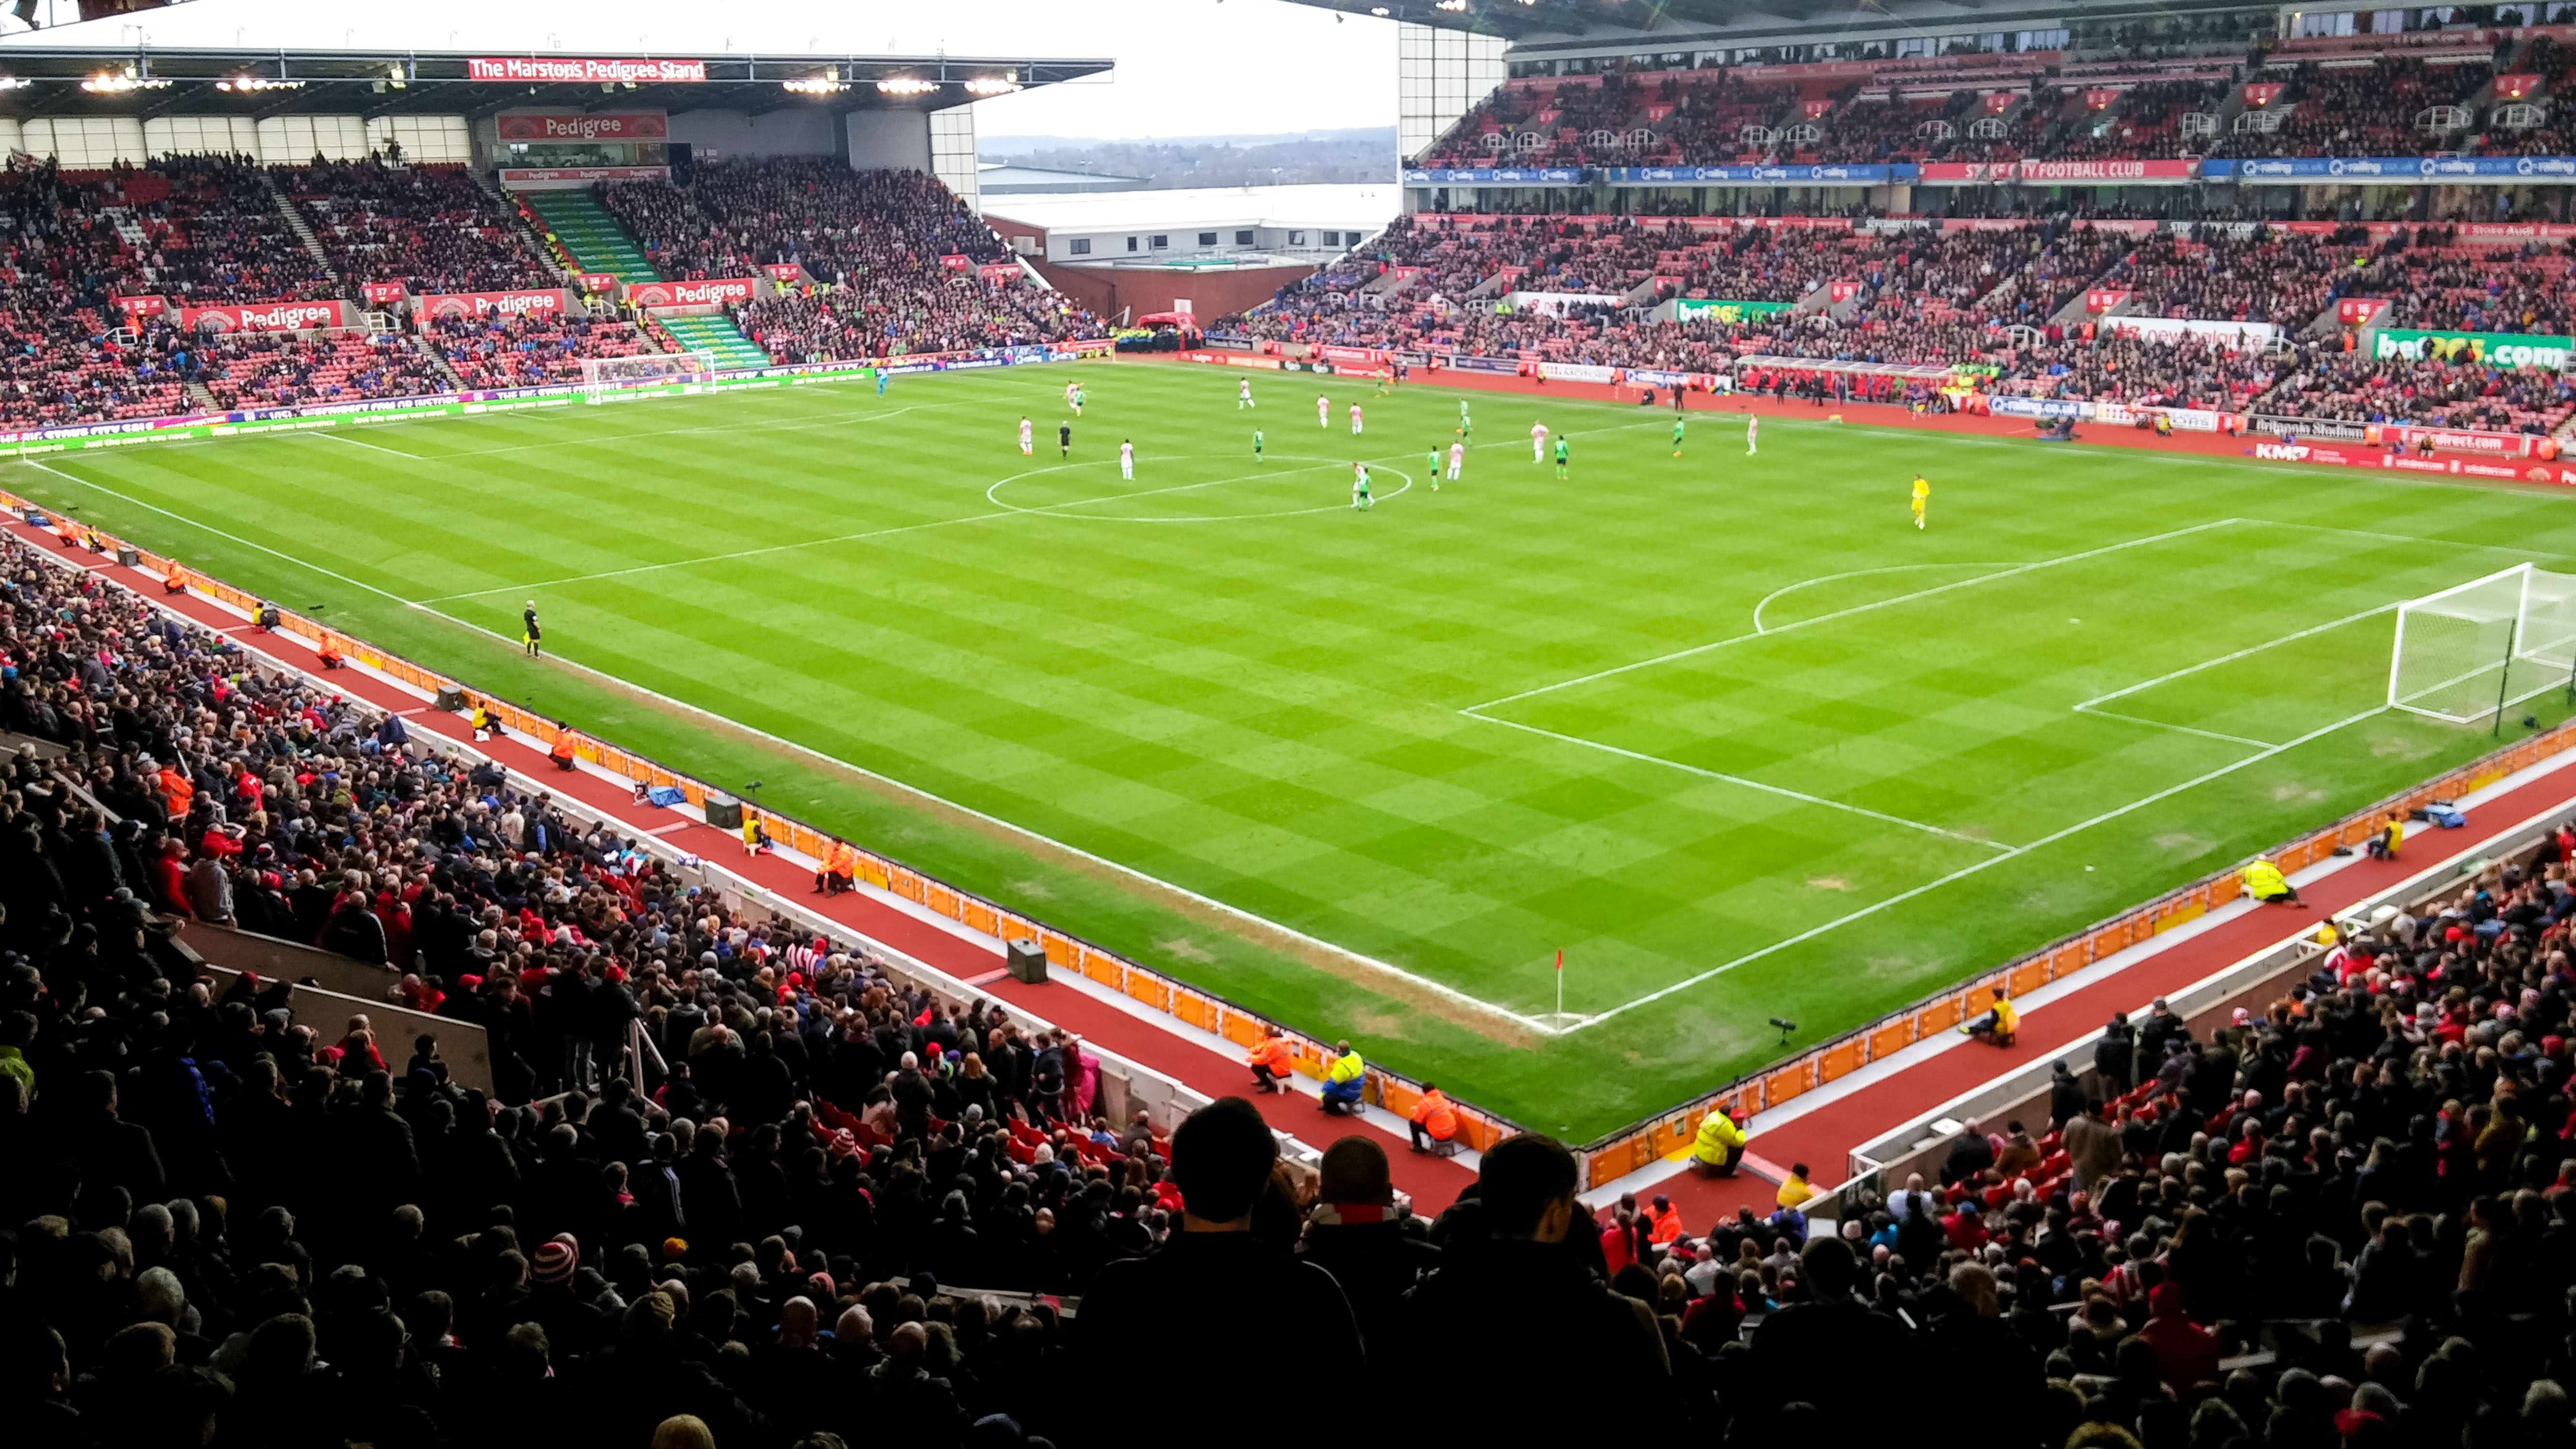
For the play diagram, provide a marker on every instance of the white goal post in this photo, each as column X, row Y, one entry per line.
column 2477, row 649
column 603, row 377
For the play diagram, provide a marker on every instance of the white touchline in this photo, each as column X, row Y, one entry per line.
column 1442, row 989
column 1932, row 885
column 1698, row 649
column 1750, row 784
column 217, row 532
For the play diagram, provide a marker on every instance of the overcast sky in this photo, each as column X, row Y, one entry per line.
column 1196, row 68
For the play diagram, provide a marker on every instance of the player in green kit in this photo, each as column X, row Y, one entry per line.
column 1360, row 498
column 1677, row 437
column 1431, row 460
column 1256, row 445
column 1560, row 456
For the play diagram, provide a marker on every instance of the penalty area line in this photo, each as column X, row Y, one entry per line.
column 2015, row 853
column 1695, row 650
column 1719, row 775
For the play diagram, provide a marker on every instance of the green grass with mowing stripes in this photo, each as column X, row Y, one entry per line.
column 1728, row 730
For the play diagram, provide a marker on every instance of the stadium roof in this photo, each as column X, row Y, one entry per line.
column 1657, row 25
column 1359, row 208
column 323, row 55
column 1005, row 179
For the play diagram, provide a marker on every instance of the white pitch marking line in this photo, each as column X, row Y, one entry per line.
column 356, row 443
column 1389, row 969
column 1697, row 649
column 1768, row 598
column 2522, row 549
column 2239, row 654
column 2086, row 709
column 1002, row 510
column 217, row 532
column 2015, row 853
column 1750, row 784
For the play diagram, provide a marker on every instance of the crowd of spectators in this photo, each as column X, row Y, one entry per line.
column 2213, row 274
column 429, row 227
column 2461, row 392
column 275, row 369
column 871, row 244
column 2365, row 110
column 2355, row 105
column 217, row 235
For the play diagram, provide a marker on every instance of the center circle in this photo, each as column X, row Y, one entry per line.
column 1086, row 508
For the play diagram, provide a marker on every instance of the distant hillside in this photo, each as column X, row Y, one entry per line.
column 1275, row 160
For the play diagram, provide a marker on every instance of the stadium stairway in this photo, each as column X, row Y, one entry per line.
column 591, row 236
column 717, row 335
column 1095, row 1013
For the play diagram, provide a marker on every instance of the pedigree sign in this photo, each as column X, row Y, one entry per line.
column 634, row 126
column 265, row 317
column 546, row 303
column 692, row 294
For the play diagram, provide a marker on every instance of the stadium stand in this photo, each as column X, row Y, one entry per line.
column 214, row 234
column 429, row 227
column 871, row 242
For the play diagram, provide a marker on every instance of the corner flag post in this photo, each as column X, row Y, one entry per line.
column 1560, row 982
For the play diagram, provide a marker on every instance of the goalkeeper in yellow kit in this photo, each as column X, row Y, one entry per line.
column 1922, row 495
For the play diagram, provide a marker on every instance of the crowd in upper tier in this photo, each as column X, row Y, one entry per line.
column 890, row 258
column 2047, row 308
column 2290, row 99
column 431, row 228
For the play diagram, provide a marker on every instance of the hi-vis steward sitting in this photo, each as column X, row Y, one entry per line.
column 2265, row 883
column 1720, row 1143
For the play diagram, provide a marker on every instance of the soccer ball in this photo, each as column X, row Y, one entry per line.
column 1833, row 417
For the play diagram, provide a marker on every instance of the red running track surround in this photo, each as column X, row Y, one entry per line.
column 1825, row 1137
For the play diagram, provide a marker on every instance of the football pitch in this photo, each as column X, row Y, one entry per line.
column 1728, row 731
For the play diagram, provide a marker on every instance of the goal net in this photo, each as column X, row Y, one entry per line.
column 605, row 377
column 2470, row 651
